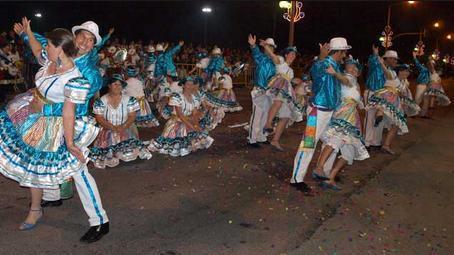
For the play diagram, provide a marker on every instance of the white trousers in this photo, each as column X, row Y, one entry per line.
column 261, row 104
column 373, row 135
column 304, row 155
column 420, row 88
column 88, row 194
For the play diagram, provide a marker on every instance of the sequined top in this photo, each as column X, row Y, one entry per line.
column 264, row 68
column 164, row 62
column 325, row 87
column 375, row 77
column 424, row 74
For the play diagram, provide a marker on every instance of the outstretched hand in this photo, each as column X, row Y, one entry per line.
column 26, row 25
column 251, row 39
column 415, row 54
column 324, row 50
column 111, row 30
column 18, row 28
column 181, row 43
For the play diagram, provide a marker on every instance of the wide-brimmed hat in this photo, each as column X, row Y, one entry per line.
column 339, row 43
column 117, row 77
column 270, row 42
column 390, row 54
column 91, row 27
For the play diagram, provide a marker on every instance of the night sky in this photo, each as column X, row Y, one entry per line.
column 361, row 22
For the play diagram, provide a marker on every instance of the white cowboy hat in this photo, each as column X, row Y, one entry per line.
column 270, row 42
column 112, row 49
column 216, row 51
column 390, row 54
column 91, row 27
column 159, row 47
column 339, row 43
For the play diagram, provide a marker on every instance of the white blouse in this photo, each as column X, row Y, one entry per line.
column 54, row 87
column 187, row 106
column 118, row 115
column 353, row 91
column 226, row 82
column 284, row 68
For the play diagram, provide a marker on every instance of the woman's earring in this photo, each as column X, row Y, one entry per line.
column 59, row 63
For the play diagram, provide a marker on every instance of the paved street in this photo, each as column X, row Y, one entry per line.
column 231, row 199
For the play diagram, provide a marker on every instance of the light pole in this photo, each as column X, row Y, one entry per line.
column 293, row 15
column 387, row 31
column 206, row 11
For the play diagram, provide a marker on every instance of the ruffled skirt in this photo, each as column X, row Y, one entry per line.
column 389, row 102
column 345, row 129
column 110, row 147
column 281, row 89
column 145, row 117
column 176, row 140
column 441, row 97
column 32, row 146
column 410, row 107
column 225, row 99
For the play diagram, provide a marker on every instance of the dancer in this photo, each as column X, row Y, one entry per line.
column 61, row 139
column 344, row 132
column 213, row 70
column 423, row 78
column 261, row 102
column 386, row 102
column 434, row 93
column 224, row 98
column 410, row 107
column 325, row 99
column 283, row 97
column 119, row 137
column 135, row 88
column 182, row 133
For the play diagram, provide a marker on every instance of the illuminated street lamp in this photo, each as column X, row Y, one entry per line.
column 387, row 32
column 436, row 24
column 206, row 10
column 449, row 37
column 293, row 15
column 38, row 15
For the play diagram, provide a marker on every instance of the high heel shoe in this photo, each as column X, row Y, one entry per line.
column 24, row 226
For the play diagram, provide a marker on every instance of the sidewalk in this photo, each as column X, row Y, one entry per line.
column 406, row 209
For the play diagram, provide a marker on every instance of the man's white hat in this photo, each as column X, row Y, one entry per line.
column 91, row 27
column 270, row 42
column 390, row 54
column 339, row 43
column 159, row 47
column 216, row 51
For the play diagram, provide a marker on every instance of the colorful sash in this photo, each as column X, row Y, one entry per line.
column 311, row 128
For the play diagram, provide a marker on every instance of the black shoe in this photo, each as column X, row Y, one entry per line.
column 45, row 203
column 265, row 142
column 253, row 145
column 95, row 233
column 303, row 187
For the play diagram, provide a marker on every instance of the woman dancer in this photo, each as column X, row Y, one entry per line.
column 284, row 105
column 182, row 133
column 39, row 150
column 119, row 137
column 344, row 132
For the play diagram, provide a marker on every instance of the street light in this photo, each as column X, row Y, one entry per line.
column 293, row 15
column 449, row 37
column 38, row 15
column 206, row 10
column 436, row 24
column 387, row 32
